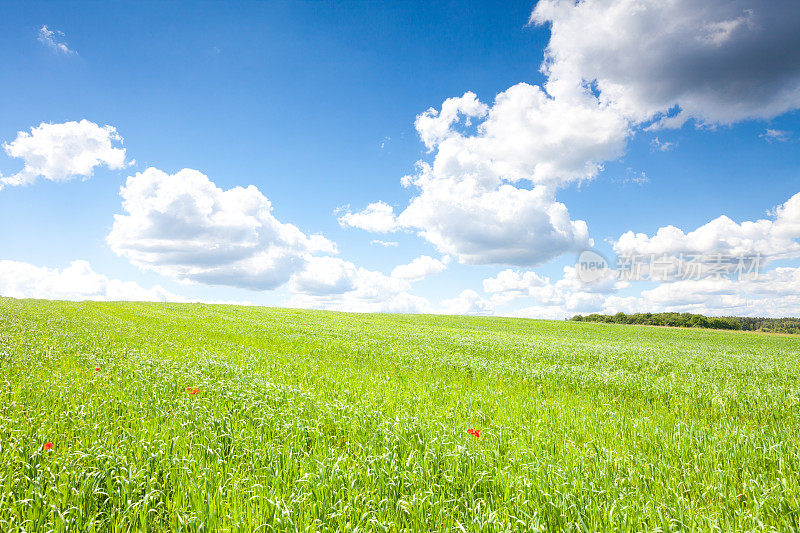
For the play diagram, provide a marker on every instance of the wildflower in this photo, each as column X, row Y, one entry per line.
column 474, row 432
column 189, row 389
column 97, row 369
column 48, row 446
column 194, row 391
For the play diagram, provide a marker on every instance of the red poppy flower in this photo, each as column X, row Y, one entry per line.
column 188, row 389
column 48, row 446
column 97, row 369
column 474, row 432
column 194, row 391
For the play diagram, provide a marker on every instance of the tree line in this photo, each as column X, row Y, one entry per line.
column 689, row 320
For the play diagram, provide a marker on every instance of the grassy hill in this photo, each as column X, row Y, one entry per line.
column 307, row 420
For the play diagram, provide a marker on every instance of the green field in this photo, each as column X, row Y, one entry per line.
column 319, row 421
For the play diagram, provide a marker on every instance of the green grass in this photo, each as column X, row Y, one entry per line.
column 318, row 421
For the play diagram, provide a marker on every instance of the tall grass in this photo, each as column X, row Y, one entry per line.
column 315, row 421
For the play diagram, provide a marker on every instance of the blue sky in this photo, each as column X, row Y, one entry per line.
column 315, row 105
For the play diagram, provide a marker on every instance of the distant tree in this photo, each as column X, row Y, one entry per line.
column 689, row 320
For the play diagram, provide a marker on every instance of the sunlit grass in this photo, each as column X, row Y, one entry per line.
column 320, row 421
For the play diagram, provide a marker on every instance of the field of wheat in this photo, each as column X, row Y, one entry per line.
column 168, row 417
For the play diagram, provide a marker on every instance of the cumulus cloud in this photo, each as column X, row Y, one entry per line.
column 488, row 197
column 434, row 125
column 717, row 61
column 420, row 268
column 61, row 152
column 552, row 300
column 752, row 292
column 377, row 217
column 468, row 302
column 363, row 301
column 54, row 40
column 385, row 244
column 529, row 135
column 324, row 276
column 774, row 238
column 76, row 282
column 542, row 312
column 514, row 282
column 569, row 294
column 185, row 227
column 612, row 67
column 335, row 284
column 507, row 225
column 775, row 293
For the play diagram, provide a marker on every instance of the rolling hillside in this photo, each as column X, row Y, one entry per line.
column 128, row 416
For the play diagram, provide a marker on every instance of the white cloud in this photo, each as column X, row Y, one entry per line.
column 658, row 145
column 770, row 293
column 323, row 276
column 61, row 152
column 542, row 312
column 612, row 67
column 512, row 281
column 361, row 301
column 775, row 293
column 772, row 239
column 562, row 299
column 435, row 126
column 528, row 135
column 507, row 225
column 468, row 302
column 185, row 227
column 377, row 217
column 772, row 136
column 54, row 40
column 385, row 244
column 569, row 295
column 718, row 61
column 635, row 177
column 76, row 282
column 336, row 284
column 420, row 268
column 488, row 197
